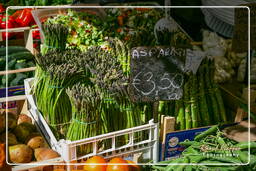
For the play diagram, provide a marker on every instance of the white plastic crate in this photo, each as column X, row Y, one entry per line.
column 68, row 149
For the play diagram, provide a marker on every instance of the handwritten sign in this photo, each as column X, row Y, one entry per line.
column 240, row 35
column 157, row 73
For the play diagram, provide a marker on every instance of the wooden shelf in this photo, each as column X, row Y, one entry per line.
column 17, row 70
column 13, row 98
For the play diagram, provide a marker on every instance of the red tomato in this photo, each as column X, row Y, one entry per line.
column 95, row 160
column 133, row 166
column 117, row 164
column 25, row 18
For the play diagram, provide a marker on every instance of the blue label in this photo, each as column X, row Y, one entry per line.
column 172, row 149
column 12, row 91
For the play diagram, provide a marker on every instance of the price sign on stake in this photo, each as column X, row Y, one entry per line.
column 157, row 73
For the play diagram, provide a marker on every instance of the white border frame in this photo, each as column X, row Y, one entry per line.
column 169, row 7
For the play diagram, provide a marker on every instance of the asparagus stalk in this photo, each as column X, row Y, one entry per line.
column 203, row 108
column 187, row 104
column 180, row 113
column 217, row 93
column 211, row 100
column 194, row 101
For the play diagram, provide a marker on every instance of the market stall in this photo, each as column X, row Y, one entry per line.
column 126, row 88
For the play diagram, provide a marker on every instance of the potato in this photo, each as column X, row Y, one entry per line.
column 36, row 142
column 12, row 121
column 45, row 154
column 20, row 153
column 11, row 138
column 23, row 130
column 24, row 118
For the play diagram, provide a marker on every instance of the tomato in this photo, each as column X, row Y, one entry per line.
column 123, row 165
column 133, row 166
column 95, row 160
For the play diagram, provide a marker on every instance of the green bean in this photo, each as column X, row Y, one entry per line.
column 187, row 143
column 204, row 134
column 245, row 145
column 172, row 167
column 182, row 167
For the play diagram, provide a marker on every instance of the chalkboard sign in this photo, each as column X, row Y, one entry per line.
column 157, row 73
column 240, row 35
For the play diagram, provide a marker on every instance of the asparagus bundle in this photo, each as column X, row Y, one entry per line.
column 106, row 72
column 86, row 113
column 53, row 77
column 202, row 103
column 55, row 37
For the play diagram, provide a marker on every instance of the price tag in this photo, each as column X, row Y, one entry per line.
column 157, row 73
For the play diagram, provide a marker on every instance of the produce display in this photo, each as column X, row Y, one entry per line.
column 81, row 87
column 212, row 147
column 25, row 143
column 18, row 58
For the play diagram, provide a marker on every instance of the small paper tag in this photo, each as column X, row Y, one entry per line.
column 193, row 60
